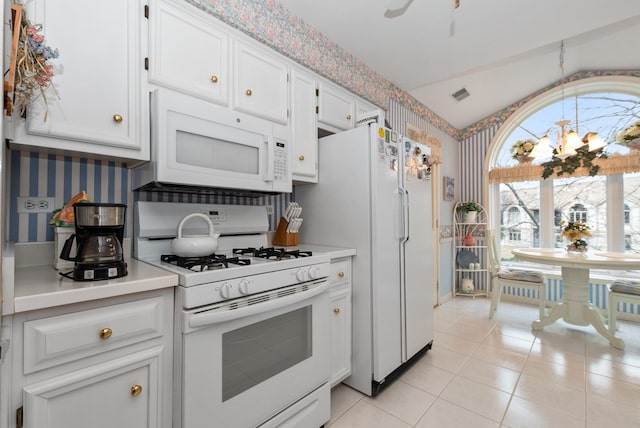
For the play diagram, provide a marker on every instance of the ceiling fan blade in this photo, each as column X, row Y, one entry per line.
column 394, row 13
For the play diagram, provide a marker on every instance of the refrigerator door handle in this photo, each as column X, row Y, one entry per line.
column 405, row 215
column 399, row 226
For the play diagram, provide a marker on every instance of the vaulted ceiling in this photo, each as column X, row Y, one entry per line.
column 499, row 50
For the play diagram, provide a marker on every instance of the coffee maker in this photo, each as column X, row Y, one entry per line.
column 99, row 233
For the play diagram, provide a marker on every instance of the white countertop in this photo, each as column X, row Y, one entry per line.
column 38, row 285
column 332, row 252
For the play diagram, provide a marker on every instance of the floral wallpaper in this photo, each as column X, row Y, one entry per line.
column 273, row 25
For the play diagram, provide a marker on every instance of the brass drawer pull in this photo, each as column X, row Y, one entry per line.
column 117, row 118
column 249, row 92
column 136, row 390
column 336, row 310
column 348, row 117
column 105, row 333
column 301, row 157
column 340, row 274
column 214, row 79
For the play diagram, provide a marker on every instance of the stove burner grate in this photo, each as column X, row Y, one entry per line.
column 272, row 253
column 201, row 264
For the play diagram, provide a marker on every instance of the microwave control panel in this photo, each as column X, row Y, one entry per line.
column 281, row 161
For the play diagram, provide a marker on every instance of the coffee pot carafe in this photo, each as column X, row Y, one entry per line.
column 98, row 235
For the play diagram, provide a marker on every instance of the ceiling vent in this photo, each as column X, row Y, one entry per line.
column 461, row 94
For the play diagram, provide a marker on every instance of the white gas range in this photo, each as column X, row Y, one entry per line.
column 252, row 322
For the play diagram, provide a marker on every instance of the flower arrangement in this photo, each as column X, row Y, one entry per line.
column 575, row 232
column 630, row 136
column 33, row 70
column 521, row 149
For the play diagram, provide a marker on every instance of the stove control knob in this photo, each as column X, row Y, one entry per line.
column 301, row 275
column 313, row 272
column 225, row 290
column 243, row 287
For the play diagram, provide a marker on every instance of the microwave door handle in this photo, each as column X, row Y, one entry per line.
column 270, row 148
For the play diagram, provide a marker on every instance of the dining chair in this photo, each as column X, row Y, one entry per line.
column 521, row 279
column 621, row 291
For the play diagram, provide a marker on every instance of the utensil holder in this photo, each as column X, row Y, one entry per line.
column 282, row 237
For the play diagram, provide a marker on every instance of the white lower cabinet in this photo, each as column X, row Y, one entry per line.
column 340, row 295
column 98, row 364
column 119, row 393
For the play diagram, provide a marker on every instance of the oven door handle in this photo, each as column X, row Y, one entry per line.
column 207, row 318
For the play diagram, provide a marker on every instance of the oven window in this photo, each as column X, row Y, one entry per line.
column 257, row 352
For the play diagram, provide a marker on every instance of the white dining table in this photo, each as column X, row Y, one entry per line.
column 575, row 306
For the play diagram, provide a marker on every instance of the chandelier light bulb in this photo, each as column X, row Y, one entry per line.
column 573, row 141
column 542, row 149
column 594, row 141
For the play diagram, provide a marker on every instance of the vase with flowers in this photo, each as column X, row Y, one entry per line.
column 575, row 232
column 630, row 136
column 521, row 150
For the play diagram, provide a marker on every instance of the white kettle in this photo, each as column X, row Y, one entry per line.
column 195, row 245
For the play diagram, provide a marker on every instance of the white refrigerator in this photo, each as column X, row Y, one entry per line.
column 374, row 195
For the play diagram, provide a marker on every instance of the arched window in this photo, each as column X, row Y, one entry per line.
column 606, row 106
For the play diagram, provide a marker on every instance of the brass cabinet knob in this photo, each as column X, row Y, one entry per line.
column 117, row 118
column 214, row 79
column 105, row 333
column 136, row 390
column 341, row 274
column 301, row 157
column 248, row 92
column 336, row 310
column 348, row 117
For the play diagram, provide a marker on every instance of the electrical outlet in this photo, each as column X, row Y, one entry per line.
column 269, row 209
column 35, row 204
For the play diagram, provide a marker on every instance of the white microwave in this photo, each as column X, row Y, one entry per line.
column 198, row 144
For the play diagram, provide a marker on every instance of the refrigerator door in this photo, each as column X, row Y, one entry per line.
column 357, row 204
column 386, row 218
column 417, row 267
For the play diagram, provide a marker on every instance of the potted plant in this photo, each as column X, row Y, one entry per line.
column 469, row 211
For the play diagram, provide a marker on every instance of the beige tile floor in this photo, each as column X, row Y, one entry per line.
column 498, row 373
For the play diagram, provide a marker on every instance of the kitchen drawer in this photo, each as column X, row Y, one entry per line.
column 57, row 340
column 340, row 272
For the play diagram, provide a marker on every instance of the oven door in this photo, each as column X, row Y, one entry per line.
column 245, row 361
column 197, row 143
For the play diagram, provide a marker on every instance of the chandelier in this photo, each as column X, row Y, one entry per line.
column 568, row 140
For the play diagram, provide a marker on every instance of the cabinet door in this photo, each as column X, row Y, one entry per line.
column 97, row 105
column 363, row 107
column 187, row 52
column 340, row 334
column 261, row 86
column 304, row 127
column 336, row 107
column 119, row 393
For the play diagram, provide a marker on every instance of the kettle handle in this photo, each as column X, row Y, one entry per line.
column 66, row 249
column 187, row 217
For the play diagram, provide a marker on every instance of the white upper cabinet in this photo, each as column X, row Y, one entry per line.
column 100, row 107
column 260, row 84
column 336, row 107
column 304, row 127
column 187, row 52
column 363, row 107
